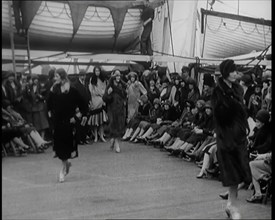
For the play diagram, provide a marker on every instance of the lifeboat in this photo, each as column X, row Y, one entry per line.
column 94, row 26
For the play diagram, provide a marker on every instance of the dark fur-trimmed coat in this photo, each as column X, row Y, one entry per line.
column 231, row 127
column 116, row 108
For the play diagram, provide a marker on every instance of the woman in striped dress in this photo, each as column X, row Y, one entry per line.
column 98, row 116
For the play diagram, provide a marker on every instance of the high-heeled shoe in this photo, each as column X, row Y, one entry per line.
column 201, row 175
column 117, row 148
column 68, row 165
column 255, row 199
column 232, row 213
column 103, row 139
column 112, row 143
column 61, row 177
column 224, row 195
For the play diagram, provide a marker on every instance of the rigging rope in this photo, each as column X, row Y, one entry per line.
column 171, row 37
column 54, row 16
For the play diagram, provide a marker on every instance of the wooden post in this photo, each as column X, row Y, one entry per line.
column 28, row 52
column 12, row 38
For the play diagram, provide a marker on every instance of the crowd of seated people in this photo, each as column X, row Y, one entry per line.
column 22, row 133
column 180, row 121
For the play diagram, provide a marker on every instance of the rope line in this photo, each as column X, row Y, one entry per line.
column 89, row 18
column 104, row 20
column 249, row 33
column 234, row 29
column 212, row 30
column 42, row 10
column 55, row 16
column 68, row 13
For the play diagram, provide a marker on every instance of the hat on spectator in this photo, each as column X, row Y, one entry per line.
column 34, row 76
column 146, row 72
column 263, row 116
column 156, row 101
column 208, row 104
column 226, row 67
column 6, row 75
column 167, row 102
column 165, row 80
column 191, row 81
column 116, row 73
column 201, row 102
column 247, row 79
column 82, row 71
column 144, row 98
column 178, row 77
column 62, row 73
column 132, row 74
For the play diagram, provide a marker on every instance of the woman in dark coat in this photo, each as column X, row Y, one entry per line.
column 115, row 97
column 34, row 105
column 62, row 103
column 231, row 128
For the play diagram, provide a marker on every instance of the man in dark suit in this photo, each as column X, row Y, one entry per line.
column 147, row 17
column 79, row 84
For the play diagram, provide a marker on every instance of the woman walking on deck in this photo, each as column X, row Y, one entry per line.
column 62, row 103
column 115, row 97
column 231, row 134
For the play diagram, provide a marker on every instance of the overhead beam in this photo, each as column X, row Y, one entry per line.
column 161, row 59
column 260, row 21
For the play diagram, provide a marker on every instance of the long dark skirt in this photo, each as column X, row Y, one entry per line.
column 64, row 140
column 195, row 138
column 133, row 123
column 234, row 164
column 184, row 133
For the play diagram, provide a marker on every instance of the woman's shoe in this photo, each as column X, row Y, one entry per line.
column 232, row 213
column 61, row 177
column 68, row 165
column 202, row 175
column 255, row 199
column 103, row 139
column 117, row 149
column 112, row 143
column 186, row 158
column 135, row 140
column 224, row 195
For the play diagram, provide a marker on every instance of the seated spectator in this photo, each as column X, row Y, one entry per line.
column 198, row 152
column 255, row 100
column 17, row 122
column 209, row 158
column 260, row 142
column 154, row 113
column 208, row 85
column 157, row 129
column 200, row 133
column 152, row 91
column 11, row 134
column 198, row 115
column 248, row 86
column 194, row 92
column 175, row 127
column 183, row 93
column 142, row 114
column 260, row 167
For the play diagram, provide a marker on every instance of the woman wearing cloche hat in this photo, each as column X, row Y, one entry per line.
column 134, row 91
column 231, row 127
